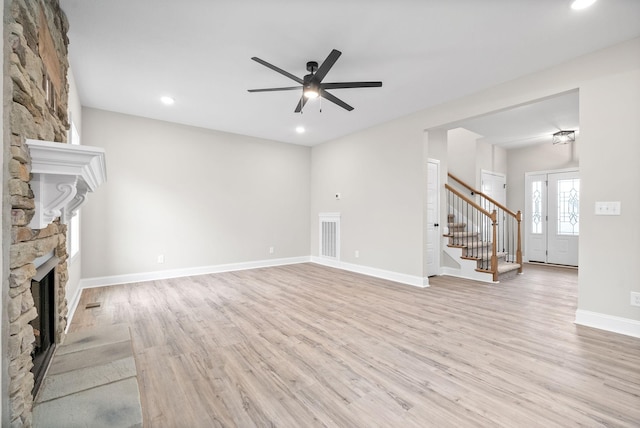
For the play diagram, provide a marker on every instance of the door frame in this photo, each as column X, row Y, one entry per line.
column 527, row 205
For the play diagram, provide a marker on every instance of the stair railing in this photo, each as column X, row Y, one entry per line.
column 479, row 224
column 505, row 231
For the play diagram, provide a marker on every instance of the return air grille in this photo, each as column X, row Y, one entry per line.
column 330, row 235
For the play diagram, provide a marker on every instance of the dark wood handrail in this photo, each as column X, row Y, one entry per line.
column 491, row 215
column 489, row 198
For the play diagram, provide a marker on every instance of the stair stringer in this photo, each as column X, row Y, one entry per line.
column 467, row 268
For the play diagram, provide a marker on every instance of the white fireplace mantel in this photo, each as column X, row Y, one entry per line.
column 62, row 174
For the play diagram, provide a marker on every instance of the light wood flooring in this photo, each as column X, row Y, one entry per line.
column 310, row 346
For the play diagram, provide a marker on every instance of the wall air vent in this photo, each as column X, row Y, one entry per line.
column 330, row 235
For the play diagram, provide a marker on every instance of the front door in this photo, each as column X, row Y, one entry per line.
column 552, row 220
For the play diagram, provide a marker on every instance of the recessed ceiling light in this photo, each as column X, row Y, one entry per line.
column 167, row 100
column 300, row 129
column 581, row 4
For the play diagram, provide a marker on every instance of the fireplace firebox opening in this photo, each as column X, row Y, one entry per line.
column 43, row 291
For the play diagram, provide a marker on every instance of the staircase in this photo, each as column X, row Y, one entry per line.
column 474, row 249
column 483, row 236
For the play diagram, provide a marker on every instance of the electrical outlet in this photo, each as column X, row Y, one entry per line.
column 357, row 254
column 161, row 259
column 635, row 298
column 271, row 250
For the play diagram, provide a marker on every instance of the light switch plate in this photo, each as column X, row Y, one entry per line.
column 608, row 208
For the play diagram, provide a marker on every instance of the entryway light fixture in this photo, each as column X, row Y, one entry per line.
column 564, row 137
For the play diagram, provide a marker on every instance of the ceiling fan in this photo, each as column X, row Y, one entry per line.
column 312, row 85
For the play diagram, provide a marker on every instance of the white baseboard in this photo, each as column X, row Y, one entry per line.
column 610, row 323
column 104, row 281
column 72, row 306
column 178, row 273
column 416, row 281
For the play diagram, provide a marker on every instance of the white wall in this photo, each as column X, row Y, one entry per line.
column 609, row 156
column 469, row 156
column 462, row 154
column 489, row 158
column 200, row 198
column 379, row 174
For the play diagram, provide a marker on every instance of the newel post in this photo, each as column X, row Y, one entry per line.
column 519, row 249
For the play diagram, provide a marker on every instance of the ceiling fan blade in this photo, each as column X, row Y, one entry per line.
column 278, row 70
column 327, row 64
column 288, row 88
column 301, row 103
column 326, row 95
column 344, row 85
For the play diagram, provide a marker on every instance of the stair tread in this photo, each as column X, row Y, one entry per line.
column 485, row 255
column 477, row 244
column 463, row 234
column 507, row 267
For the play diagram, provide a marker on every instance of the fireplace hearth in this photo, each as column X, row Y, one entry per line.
column 44, row 329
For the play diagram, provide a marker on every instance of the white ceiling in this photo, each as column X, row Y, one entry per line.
column 528, row 124
column 125, row 54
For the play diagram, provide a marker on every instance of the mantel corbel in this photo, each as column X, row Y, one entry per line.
column 62, row 174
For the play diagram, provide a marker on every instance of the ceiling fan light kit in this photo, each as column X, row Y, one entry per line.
column 312, row 85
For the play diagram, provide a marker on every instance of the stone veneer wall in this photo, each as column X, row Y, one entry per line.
column 35, row 46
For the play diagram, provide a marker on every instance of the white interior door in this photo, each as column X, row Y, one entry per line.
column 552, row 220
column 433, row 238
column 494, row 185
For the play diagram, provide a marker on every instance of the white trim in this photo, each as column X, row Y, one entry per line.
column 610, row 323
column 72, row 306
column 177, row 273
column 553, row 171
column 416, row 281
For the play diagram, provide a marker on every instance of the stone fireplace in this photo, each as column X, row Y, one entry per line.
column 34, row 215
